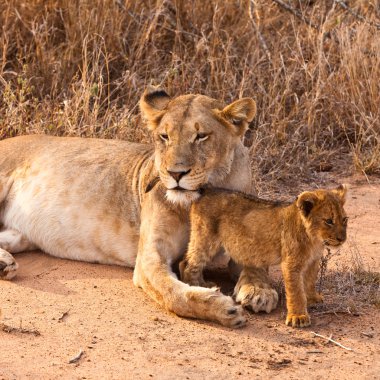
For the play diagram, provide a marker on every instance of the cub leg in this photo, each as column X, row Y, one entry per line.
column 253, row 290
column 310, row 278
column 11, row 241
column 295, row 295
column 200, row 252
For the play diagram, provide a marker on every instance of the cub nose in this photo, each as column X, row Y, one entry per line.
column 178, row 175
column 341, row 239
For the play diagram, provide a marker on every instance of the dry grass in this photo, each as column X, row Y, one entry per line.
column 78, row 68
column 352, row 285
column 349, row 287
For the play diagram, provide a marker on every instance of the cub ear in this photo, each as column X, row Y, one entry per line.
column 306, row 201
column 153, row 103
column 341, row 191
column 240, row 113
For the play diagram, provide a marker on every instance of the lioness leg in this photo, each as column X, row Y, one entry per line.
column 309, row 280
column 253, row 290
column 8, row 265
column 11, row 241
column 15, row 242
column 163, row 238
column 296, row 301
column 162, row 285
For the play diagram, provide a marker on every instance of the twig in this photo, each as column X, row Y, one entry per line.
column 296, row 13
column 329, row 339
column 21, row 330
column 356, row 14
column 77, row 357
column 323, row 267
column 63, row 316
column 315, row 352
column 257, row 30
column 338, row 311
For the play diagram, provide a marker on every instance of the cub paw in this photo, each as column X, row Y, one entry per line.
column 8, row 265
column 257, row 299
column 208, row 284
column 298, row 320
column 193, row 276
column 314, row 298
column 200, row 282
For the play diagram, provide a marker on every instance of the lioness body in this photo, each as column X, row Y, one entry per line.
column 76, row 198
column 89, row 199
column 258, row 233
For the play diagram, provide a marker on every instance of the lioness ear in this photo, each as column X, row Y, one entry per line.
column 306, row 201
column 341, row 191
column 152, row 105
column 240, row 113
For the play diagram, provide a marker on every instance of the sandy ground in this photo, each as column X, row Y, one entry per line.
column 72, row 306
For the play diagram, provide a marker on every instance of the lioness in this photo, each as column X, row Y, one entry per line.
column 93, row 200
column 262, row 233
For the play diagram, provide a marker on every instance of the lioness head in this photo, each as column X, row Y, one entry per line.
column 195, row 139
column 324, row 215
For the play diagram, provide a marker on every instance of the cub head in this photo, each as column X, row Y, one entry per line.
column 323, row 214
column 195, row 139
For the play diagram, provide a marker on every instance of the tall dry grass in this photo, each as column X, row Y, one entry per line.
column 78, row 67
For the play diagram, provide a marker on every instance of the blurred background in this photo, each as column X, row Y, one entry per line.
column 78, row 68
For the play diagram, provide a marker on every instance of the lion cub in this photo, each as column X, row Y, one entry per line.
column 260, row 233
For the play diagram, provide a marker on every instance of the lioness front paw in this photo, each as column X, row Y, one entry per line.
column 257, row 299
column 231, row 315
column 8, row 265
column 314, row 298
column 213, row 305
column 295, row 320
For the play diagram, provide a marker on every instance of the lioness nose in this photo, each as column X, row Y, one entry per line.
column 178, row 175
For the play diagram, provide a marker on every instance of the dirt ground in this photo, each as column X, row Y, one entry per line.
column 65, row 307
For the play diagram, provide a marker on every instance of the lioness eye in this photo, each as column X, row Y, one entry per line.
column 201, row 137
column 164, row 137
column 329, row 222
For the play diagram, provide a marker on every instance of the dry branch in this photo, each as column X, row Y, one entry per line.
column 356, row 14
column 261, row 38
column 296, row 13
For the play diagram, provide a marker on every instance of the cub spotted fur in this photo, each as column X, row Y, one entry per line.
column 262, row 233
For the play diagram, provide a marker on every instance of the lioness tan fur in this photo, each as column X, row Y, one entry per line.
column 95, row 200
column 263, row 233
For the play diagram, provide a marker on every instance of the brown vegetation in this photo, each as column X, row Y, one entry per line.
column 79, row 67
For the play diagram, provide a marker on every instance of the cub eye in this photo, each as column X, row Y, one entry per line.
column 236, row 122
column 201, row 137
column 345, row 220
column 329, row 222
column 164, row 137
